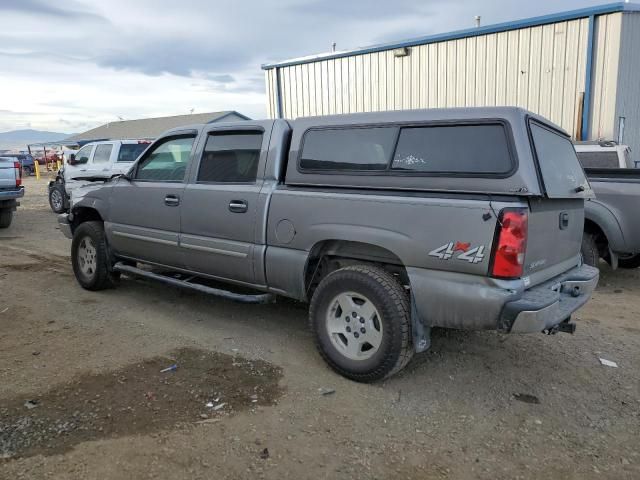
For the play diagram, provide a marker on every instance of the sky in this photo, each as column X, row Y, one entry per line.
column 71, row 65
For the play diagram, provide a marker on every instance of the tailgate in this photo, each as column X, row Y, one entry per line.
column 555, row 236
column 7, row 174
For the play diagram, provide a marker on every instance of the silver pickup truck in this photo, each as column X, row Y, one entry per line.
column 387, row 223
column 11, row 189
column 611, row 227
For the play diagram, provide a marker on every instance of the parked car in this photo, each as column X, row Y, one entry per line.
column 11, row 189
column 388, row 223
column 612, row 229
column 26, row 161
column 97, row 160
column 604, row 154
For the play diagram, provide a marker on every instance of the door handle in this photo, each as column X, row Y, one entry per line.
column 172, row 200
column 564, row 220
column 238, row 206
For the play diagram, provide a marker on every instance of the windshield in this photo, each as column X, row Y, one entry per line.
column 562, row 174
column 130, row 151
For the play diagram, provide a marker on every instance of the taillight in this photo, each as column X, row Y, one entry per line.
column 510, row 245
column 18, row 169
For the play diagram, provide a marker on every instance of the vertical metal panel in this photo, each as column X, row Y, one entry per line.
column 628, row 101
column 433, row 75
column 470, row 74
column 501, row 68
column 346, row 92
column 605, row 75
column 491, row 65
column 512, row 70
column 535, row 58
column 481, row 71
column 558, row 71
column 524, row 70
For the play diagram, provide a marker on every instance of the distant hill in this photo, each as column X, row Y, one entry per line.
column 18, row 139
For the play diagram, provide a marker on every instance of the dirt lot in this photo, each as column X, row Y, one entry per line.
column 82, row 395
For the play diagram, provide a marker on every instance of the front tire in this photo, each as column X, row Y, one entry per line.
column 90, row 258
column 589, row 249
column 361, row 320
column 6, row 216
column 57, row 198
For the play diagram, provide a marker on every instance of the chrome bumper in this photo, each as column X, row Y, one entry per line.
column 65, row 226
column 549, row 304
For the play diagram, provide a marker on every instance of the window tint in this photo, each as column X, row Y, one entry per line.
column 130, row 151
column 231, row 157
column 559, row 166
column 167, row 162
column 474, row 149
column 83, row 154
column 600, row 159
column 348, row 148
column 103, row 152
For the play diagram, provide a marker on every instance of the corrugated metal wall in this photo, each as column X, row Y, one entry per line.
column 628, row 103
column 540, row 68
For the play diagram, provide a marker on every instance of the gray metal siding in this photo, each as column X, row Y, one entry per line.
column 628, row 101
column 540, row 68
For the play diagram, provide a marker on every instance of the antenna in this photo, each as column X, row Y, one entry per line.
column 191, row 111
column 333, row 47
column 477, row 18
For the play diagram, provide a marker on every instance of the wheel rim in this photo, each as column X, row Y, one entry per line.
column 354, row 326
column 87, row 257
column 56, row 199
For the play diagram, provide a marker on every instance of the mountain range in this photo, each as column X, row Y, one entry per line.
column 19, row 139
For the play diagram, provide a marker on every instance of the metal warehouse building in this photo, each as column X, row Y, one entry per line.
column 581, row 69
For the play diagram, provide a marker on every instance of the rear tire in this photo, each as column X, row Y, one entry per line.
column 57, row 198
column 632, row 261
column 589, row 249
column 90, row 258
column 360, row 317
column 6, row 216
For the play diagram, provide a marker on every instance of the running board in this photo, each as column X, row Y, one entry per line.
column 235, row 297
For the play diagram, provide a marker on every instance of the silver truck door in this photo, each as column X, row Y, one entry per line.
column 144, row 216
column 220, row 203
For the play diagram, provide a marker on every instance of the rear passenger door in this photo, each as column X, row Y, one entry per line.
column 221, row 202
column 100, row 164
column 144, row 215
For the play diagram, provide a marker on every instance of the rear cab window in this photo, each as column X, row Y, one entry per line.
column 560, row 169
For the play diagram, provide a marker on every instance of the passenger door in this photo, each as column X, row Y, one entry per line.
column 144, row 218
column 221, row 202
column 78, row 168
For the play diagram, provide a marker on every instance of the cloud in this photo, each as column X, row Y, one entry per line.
column 71, row 12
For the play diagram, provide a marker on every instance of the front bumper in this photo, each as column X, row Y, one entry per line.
column 549, row 304
column 65, row 225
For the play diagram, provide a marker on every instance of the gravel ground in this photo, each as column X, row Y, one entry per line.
column 477, row 405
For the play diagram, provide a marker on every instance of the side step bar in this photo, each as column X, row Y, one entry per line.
column 235, row 297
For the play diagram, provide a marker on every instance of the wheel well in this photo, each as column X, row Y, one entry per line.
column 84, row 214
column 592, row 228
column 330, row 255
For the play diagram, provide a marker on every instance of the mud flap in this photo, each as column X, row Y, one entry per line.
column 421, row 333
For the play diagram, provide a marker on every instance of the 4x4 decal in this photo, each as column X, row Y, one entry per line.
column 447, row 251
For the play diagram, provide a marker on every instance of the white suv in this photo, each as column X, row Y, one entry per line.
column 94, row 161
column 604, row 154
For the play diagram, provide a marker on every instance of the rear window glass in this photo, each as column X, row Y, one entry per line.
column 598, row 159
column 130, row 151
column 561, row 172
column 472, row 149
column 348, row 149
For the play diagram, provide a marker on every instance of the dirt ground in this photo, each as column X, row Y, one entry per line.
column 82, row 395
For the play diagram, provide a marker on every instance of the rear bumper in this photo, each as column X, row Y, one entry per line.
column 65, row 225
column 546, row 305
column 12, row 194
